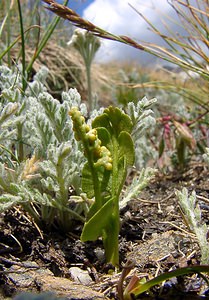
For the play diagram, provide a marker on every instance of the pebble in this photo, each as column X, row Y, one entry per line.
column 80, row 276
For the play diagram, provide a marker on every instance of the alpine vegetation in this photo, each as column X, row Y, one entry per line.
column 40, row 160
column 87, row 45
column 109, row 148
column 193, row 216
column 62, row 166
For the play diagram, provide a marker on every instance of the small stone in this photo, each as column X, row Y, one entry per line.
column 170, row 208
column 100, row 254
column 80, row 276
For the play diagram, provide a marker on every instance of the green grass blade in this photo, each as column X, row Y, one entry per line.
column 44, row 40
column 24, row 77
column 168, row 275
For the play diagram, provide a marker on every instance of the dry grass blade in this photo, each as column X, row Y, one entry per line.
column 187, row 51
column 171, row 54
column 70, row 15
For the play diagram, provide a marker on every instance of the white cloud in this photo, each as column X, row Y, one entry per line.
column 118, row 17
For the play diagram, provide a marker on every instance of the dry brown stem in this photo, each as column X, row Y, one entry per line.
column 70, row 15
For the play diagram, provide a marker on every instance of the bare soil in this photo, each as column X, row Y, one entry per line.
column 153, row 236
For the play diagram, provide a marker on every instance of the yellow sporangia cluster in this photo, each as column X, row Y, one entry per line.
column 82, row 132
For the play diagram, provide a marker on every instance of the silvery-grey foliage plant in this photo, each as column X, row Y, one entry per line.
column 41, row 162
column 193, row 216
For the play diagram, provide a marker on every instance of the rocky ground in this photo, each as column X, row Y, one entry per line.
column 153, row 237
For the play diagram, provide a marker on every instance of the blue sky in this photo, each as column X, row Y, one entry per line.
column 79, row 5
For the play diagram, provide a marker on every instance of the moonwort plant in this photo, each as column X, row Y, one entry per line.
column 109, row 150
column 109, row 146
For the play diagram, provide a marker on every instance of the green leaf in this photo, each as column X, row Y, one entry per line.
column 126, row 148
column 141, row 287
column 161, row 147
column 119, row 121
column 9, row 200
column 87, row 181
column 114, row 120
column 181, row 148
column 121, row 175
column 95, row 226
column 113, row 130
column 104, row 136
column 101, row 121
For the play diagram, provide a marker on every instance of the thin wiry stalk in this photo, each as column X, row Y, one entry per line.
column 189, row 45
column 185, row 92
column 2, row 54
column 37, row 37
column 8, row 33
column 6, row 17
column 159, row 51
column 70, row 15
column 24, row 83
column 44, row 40
column 6, row 22
column 188, row 51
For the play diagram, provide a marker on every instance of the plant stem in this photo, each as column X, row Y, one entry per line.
column 20, row 142
column 88, row 75
column 96, row 183
column 8, row 34
column 24, row 77
column 111, row 241
column 44, row 40
column 27, row 207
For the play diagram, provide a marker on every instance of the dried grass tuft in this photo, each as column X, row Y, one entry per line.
column 66, row 70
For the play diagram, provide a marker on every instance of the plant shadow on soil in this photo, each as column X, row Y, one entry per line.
column 152, row 234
